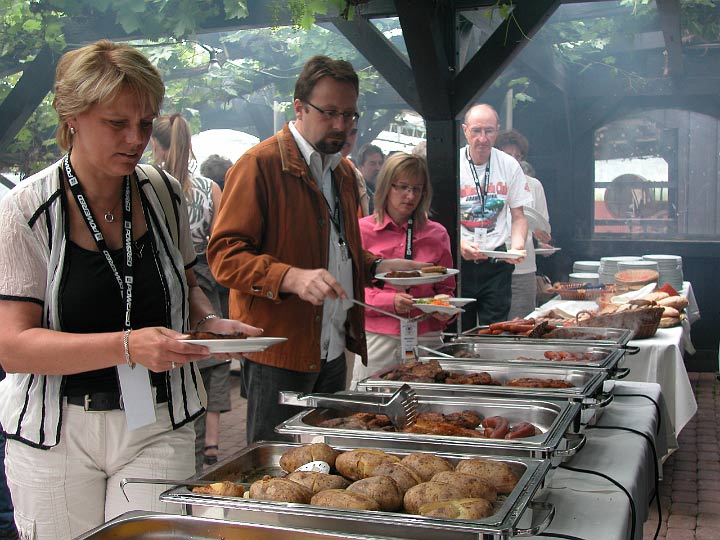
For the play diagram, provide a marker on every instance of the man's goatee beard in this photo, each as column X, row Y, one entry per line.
column 330, row 147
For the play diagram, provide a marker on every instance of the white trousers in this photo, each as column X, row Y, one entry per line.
column 73, row 487
column 384, row 352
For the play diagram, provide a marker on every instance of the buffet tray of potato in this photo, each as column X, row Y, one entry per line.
column 572, row 354
column 540, row 428
column 608, row 337
column 143, row 525
column 376, row 492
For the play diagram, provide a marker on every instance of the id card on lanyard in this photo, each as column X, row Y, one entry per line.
column 480, row 233
column 134, row 383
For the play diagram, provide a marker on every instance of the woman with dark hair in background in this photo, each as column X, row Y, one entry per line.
column 172, row 149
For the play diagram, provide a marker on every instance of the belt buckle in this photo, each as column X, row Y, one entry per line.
column 87, row 402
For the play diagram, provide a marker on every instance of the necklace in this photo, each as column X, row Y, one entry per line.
column 110, row 214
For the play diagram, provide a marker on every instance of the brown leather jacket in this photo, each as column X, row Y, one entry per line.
column 273, row 216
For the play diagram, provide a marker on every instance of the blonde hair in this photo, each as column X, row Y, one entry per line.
column 408, row 165
column 97, row 73
column 173, row 134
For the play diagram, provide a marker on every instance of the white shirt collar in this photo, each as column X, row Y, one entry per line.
column 309, row 153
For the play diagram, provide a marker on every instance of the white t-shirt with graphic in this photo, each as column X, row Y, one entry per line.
column 490, row 224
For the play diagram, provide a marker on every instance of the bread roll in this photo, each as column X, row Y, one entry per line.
column 342, row 498
column 300, row 455
column 676, row 302
column 426, row 465
column 458, row 509
column 669, row 322
column 382, row 489
column 670, row 312
column 429, row 492
column 280, row 489
column 471, row 485
column 317, row 482
column 359, row 464
column 656, row 296
column 497, row 473
column 404, row 476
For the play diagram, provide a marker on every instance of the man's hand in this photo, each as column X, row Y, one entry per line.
column 521, row 254
column 471, row 251
column 312, row 285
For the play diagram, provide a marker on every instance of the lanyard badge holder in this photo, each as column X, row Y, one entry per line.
column 408, row 330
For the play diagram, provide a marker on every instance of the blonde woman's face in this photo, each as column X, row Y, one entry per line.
column 404, row 196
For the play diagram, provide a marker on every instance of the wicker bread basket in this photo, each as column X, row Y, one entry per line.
column 577, row 291
column 643, row 321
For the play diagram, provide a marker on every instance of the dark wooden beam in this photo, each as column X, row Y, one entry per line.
column 669, row 12
column 383, row 55
column 506, row 42
column 26, row 95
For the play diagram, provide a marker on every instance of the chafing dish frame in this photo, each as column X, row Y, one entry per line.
column 616, row 337
column 516, row 517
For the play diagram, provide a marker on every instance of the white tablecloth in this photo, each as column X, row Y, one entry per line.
column 591, row 507
column 659, row 359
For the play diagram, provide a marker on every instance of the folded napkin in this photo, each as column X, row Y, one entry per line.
column 632, row 295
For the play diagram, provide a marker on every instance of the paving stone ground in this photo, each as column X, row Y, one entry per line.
column 689, row 492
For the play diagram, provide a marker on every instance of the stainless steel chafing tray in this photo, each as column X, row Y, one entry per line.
column 614, row 337
column 558, row 421
column 517, row 514
column 528, row 354
column 139, row 525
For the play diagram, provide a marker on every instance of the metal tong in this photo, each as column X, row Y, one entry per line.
column 401, row 407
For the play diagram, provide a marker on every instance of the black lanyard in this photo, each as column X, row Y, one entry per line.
column 482, row 193
column 409, row 237
column 124, row 281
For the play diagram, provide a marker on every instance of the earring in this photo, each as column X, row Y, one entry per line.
column 72, row 130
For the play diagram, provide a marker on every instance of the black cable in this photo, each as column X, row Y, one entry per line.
column 633, row 511
column 656, row 495
column 657, row 408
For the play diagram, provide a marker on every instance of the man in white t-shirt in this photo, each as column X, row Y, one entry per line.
column 493, row 192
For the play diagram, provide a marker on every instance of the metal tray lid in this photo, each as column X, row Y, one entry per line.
column 554, row 416
column 509, row 521
column 616, row 337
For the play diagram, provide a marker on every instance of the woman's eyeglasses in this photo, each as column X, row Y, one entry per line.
column 332, row 115
column 406, row 188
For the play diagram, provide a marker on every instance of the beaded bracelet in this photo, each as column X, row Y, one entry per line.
column 126, row 348
column 205, row 319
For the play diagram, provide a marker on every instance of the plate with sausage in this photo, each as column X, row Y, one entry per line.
column 417, row 277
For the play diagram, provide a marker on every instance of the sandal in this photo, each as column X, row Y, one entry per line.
column 210, row 459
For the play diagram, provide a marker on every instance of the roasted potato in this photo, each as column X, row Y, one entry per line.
column 428, row 492
column 497, row 473
column 359, row 464
column 342, row 498
column 223, row 489
column 426, row 465
column 458, row 509
column 404, row 476
column 472, row 486
column 300, row 455
column 280, row 489
column 317, row 482
column 382, row 489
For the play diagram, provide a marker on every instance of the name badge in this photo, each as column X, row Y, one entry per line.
column 408, row 339
column 137, row 396
column 479, row 235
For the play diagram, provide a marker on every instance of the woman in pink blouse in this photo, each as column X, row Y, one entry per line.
column 400, row 228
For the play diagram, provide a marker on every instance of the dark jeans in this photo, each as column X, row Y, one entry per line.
column 262, row 384
column 7, row 521
column 490, row 283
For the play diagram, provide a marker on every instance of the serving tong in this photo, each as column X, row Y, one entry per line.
column 401, row 407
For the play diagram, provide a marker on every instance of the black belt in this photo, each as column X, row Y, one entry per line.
column 109, row 401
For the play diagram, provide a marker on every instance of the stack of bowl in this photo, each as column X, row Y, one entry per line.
column 669, row 268
column 609, row 267
column 587, row 266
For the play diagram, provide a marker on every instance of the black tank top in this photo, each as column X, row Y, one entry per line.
column 90, row 302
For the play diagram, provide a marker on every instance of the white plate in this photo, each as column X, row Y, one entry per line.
column 459, row 302
column 502, row 254
column 424, row 279
column 251, row 344
column 434, row 308
column 536, row 221
column 546, row 251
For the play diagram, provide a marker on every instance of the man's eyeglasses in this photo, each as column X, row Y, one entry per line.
column 332, row 115
column 415, row 190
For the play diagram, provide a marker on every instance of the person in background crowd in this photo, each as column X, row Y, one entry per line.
column 493, row 192
column 7, row 522
column 369, row 161
column 92, row 320
column 402, row 206
column 171, row 144
column 214, row 168
column 292, row 257
column 524, row 284
column 346, row 150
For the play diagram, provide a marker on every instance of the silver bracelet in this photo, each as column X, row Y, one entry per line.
column 205, row 319
column 126, row 348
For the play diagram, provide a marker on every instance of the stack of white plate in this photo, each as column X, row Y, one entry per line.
column 587, row 266
column 584, row 277
column 669, row 268
column 641, row 265
column 608, row 267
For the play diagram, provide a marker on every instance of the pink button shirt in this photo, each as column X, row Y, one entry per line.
column 431, row 244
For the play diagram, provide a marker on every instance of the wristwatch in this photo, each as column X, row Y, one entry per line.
column 374, row 267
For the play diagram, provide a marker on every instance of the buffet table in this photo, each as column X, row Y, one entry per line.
column 591, row 507
column 659, row 359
